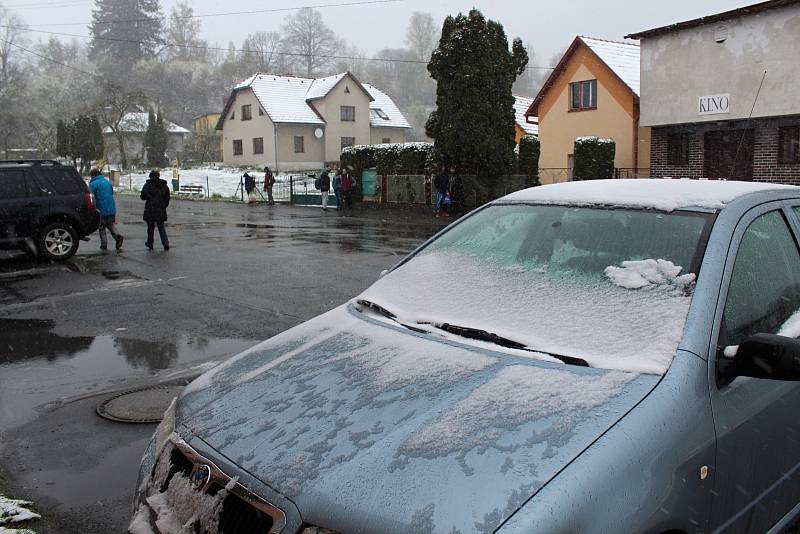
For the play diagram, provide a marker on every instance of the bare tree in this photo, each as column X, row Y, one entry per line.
column 10, row 35
column 530, row 81
column 310, row 40
column 116, row 103
column 421, row 35
column 261, row 51
column 183, row 35
column 14, row 81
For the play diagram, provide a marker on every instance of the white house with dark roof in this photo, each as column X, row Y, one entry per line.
column 593, row 91
column 133, row 126
column 292, row 123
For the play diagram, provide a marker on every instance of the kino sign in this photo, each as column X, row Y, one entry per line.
column 714, row 104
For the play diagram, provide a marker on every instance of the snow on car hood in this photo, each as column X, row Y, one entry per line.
column 361, row 423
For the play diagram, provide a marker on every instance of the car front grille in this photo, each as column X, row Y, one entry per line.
column 241, row 512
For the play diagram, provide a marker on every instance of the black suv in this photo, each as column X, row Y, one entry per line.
column 45, row 208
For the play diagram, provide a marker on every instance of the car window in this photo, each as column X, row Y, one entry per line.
column 59, row 181
column 764, row 290
column 12, row 184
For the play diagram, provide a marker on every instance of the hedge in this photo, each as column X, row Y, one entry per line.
column 594, row 158
column 529, row 158
column 390, row 158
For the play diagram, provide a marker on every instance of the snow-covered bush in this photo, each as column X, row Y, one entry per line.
column 529, row 158
column 389, row 158
column 594, row 158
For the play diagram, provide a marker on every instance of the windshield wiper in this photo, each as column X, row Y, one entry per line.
column 483, row 335
column 377, row 308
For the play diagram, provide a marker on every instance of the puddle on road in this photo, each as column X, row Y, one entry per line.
column 38, row 366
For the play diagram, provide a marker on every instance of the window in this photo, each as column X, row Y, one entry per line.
column 348, row 141
column 386, row 140
column 59, row 181
column 260, row 112
column 583, row 95
column 233, row 115
column 378, row 114
column 247, row 113
column 258, row 145
column 237, row 147
column 789, row 144
column 765, row 284
column 12, row 184
column 678, row 149
column 299, row 144
column 348, row 113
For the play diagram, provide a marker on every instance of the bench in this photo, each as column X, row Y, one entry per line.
column 192, row 190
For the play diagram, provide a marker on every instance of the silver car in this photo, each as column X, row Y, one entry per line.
column 601, row 356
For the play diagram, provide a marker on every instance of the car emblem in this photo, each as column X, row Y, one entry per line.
column 200, row 476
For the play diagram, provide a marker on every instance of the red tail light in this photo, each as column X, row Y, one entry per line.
column 90, row 202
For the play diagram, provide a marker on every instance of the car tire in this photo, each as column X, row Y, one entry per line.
column 57, row 241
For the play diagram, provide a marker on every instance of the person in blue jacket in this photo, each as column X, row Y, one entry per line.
column 104, row 199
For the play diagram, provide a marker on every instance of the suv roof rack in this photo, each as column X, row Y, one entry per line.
column 29, row 162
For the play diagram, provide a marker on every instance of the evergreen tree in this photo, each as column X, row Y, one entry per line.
column 124, row 32
column 473, row 124
column 96, row 142
column 62, row 139
column 155, row 139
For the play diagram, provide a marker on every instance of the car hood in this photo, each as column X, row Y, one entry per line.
column 362, row 423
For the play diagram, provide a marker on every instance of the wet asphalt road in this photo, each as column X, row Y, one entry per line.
column 74, row 334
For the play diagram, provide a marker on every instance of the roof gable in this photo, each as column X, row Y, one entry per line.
column 136, row 122
column 622, row 60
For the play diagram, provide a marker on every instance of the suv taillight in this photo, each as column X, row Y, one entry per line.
column 90, row 202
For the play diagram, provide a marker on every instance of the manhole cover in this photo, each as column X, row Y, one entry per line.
column 145, row 405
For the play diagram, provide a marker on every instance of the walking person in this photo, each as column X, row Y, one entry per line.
column 155, row 193
column 441, row 183
column 103, row 193
column 325, row 187
column 269, row 181
column 348, row 185
column 250, row 188
column 337, row 188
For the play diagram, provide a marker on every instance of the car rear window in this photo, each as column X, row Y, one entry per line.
column 12, row 184
column 60, row 181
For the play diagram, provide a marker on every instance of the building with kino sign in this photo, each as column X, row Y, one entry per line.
column 720, row 94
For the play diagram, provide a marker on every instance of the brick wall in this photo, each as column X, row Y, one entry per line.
column 765, row 150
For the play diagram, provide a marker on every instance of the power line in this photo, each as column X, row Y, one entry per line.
column 40, row 5
column 55, row 61
column 227, row 49
column 222, row 14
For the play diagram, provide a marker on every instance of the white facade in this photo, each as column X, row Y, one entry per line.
column 712, row 72
column 295, row 124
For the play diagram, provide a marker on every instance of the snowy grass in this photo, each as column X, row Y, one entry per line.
column 14, row 511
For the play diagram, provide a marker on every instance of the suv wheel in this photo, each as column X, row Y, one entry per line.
column 58, row 241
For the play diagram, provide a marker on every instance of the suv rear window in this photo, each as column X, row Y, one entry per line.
column 12, row 184
column 60, row 181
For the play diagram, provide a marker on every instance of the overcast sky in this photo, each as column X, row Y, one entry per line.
column 548, row 26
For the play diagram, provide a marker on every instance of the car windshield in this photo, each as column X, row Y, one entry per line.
column 608, row 286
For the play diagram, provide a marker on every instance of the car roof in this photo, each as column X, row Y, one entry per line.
column 30, row 163
column 658, row 194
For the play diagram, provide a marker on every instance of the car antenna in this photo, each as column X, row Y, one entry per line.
column 741, row 139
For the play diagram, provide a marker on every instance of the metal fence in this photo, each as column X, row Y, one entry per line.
column 406, row 188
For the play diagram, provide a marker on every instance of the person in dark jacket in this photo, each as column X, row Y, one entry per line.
column 250, row 188
column 442, row 183
column 155, row 193
column 269, row 181
column 325, row 187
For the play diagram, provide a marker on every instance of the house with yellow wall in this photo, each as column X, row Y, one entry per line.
column 207, row 123
column 593, row 91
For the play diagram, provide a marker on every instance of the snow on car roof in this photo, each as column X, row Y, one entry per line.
column 664, row 195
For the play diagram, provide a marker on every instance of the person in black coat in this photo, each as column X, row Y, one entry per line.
column 155, row 193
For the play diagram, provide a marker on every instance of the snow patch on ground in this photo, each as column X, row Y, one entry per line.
column 642, row 273
column 516, row 395
column 15, row 511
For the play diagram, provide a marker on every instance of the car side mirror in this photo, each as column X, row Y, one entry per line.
column 768, row 356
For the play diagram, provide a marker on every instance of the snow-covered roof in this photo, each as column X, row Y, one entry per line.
column 664, row 195
column 322, row 86
column 136, row 122
column 289, row 99
column 521, row 105
column 383, row 111
column 622, row 58
column 283, row 97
